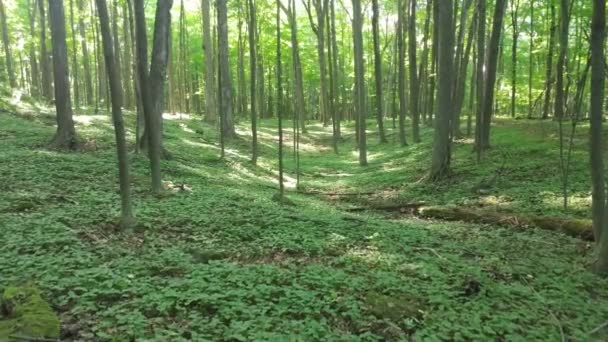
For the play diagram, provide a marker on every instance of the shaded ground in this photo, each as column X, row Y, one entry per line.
column 217, row 259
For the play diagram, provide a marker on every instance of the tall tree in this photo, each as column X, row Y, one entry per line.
column 224, row 65
column 119, row 127
column 35, row 73
column 560, row 95
column 480, row 72
column 515, row 31
column 65, row 137
column 75, row 85
column 359, row 80
column 280, row 101
column 440, row 164
column 531, row 59
column 494, row 44
column 8, row 58
column 549, row 63
column 210, row 96
column 378, row 71
column 44, row 56
column 401, row 76
column 252, row 64
column 414, row 84
column 599, row 206
column 88, row 79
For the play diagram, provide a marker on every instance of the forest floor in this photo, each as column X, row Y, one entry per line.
column 216, row 258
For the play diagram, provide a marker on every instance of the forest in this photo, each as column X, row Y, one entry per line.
column 303, row 170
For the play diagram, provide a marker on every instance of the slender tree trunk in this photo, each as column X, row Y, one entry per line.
column 119, row 127
column 44, row 56
column 440, row 165
column 401, row 77
column 242, row 87
column 210, row 96
column 493, row 47
column 531, row 59
column 65, row 138
column 378, row 72
column 88, row 80
column 75, row 85
column 414, row 81
column 561, row 60
column 600, row 220
column 280, row 102
column 481, row 48
column 224, row 64
column 359, row 80
column 127, row 70
column 7, row 47
column 252, row 65
column 116, row 42
column 423, row 77
column 549, row 64
column 35, row 73
column 460, row 81
column 515, row 28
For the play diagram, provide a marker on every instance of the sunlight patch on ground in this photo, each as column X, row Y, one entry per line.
column 87, row 120
column 176, row 116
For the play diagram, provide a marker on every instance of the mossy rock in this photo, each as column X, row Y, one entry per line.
column 394, row 307
column 26, row 314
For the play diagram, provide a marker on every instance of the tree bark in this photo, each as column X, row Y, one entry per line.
column 549, row 64
column 600, row 220
column 7, row 47
column 252, row 65
column 378, row 72
column 561, row 60
column 44, row 56
column 440, row 164
column 65, row 138
column 493, row 48
column 75, row 85
column 224, row 65
column 481, row 48
column 401, row 77
column 88, row 80
column 35, row 73
column 359, row 80
column 414, row 81
column 119, row 127
column 210, row 96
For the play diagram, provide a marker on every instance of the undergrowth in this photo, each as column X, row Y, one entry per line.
column 217, row 259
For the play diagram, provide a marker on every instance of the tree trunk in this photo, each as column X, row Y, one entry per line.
column 252, row 65
column 210, row 96
column 35, row 73
column 280, row 101
column 493, row 48
column 75, row 85
column 88, row 79
column 549, row 64
column 414, row 82
column 378, row 72
column 481, row 48
column 514, row 27
column 116, row 42
column 600, row 220
column 44, row 56
column 531, row 59
column 119, row 127
column 224, row 65
column 561, row 60
column 7, row 47
column 359, row 80
column 401, row 77
column 65, row 138
column 440, row 164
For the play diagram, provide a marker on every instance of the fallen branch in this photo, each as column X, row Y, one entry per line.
column 582, row 229
column 598, row 328
column 401, row 207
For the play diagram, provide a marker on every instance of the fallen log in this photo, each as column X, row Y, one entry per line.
column 578, row 228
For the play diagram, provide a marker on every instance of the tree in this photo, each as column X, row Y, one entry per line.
column 549, row 63
column 440, row 164
column 561, row 60
column 252, row 65
column 152, row 83
column 210, row 96
column 359, row 81
column 7, row 47
column 280, row 101
column 224, row 66
column 85, row 54
column 35, row 73
column 480, row 72
column 65, row 137
column 515, row 30
column 493, row 48
column 378, row 71
column 414, row 82
column 119, row 128
column 401, row 76
column 599, row 205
